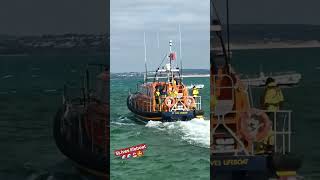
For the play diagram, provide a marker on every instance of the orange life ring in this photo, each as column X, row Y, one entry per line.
column 189, row 101
column 170, row 101
column 262, row 131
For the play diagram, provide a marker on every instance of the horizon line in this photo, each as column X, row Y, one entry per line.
column 153, row 71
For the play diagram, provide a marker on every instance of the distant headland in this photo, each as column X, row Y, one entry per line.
column 54, row 44
column 273, row 36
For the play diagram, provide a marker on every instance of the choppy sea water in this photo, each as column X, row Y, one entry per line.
column 303, row 100
column 30, row 93
column 176, row 150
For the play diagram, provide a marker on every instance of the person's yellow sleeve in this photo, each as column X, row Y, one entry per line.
column 280, row 96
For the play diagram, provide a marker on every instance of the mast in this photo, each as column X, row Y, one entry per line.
column 170, row 51
column 180, row 52
column 216, row 40
column 158, row 40
column 228, row 30
column 145, row 56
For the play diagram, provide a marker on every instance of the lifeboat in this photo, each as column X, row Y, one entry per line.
column 163, row 96
column 245, row 141
column 81, row 126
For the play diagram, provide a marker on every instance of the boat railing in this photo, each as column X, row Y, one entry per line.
column 147, row 104
column 280, row 132
column 198, row 102
column 281, row 129
column 180, row 99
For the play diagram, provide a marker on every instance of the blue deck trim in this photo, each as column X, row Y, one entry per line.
column 239, row 163
column 178, row 115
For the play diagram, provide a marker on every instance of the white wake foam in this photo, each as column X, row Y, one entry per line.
column 196, row 131
column 123, row 121
column 7, row 76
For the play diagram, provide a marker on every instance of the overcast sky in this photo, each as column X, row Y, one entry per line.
column 89, row 16
column 272, row 11
column 130, row 19
column 29, row 17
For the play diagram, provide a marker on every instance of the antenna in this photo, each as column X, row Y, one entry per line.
column 180, row 42
column 170, row 48
column 158, row 39
column 180, row 51
column 145, row 55
column 228, row 29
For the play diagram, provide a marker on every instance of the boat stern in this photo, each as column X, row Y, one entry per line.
column 178, row 115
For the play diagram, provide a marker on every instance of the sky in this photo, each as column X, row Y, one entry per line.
column 131, row 19
column 272, row 11
column 89, row 16
column 36, row 17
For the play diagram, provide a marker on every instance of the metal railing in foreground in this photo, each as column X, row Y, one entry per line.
column 281, row 132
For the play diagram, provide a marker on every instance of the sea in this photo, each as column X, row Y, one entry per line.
column 30, row 94
column 31, row 89
column 175, row 150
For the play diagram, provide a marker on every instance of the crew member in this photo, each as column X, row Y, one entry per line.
column 266, row 145
column 157, row 99
column 174, row 82
column 173, row 93
column 273, row 96
column 195, row 91
column 272, row 100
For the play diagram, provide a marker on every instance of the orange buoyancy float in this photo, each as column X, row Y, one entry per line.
column 254, row 125
column 189, row 101
column 169, row 101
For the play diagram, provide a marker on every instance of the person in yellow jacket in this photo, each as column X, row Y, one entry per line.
column 173, row 93
column 174, row 82
column 157, row 99
column 195, row 91
column 273, row 96
column 266, row 145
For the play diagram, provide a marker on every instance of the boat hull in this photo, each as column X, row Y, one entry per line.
column 163, row 116
column 86, row 161
column 255, row 167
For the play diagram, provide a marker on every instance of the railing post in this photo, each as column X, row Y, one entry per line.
column 80, row 131
column 289, row 129
column 275, row 130
column 283, row 136
column 92, row 139
column 214, row 94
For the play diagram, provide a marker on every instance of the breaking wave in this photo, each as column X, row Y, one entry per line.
column 195, row 131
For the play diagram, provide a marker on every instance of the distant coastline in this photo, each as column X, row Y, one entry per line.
column 54, row 44
column 186, row 72
column 276, row 45
column 273, row 36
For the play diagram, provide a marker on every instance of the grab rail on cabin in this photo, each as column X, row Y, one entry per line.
column 280, row 133
column 227, row 104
